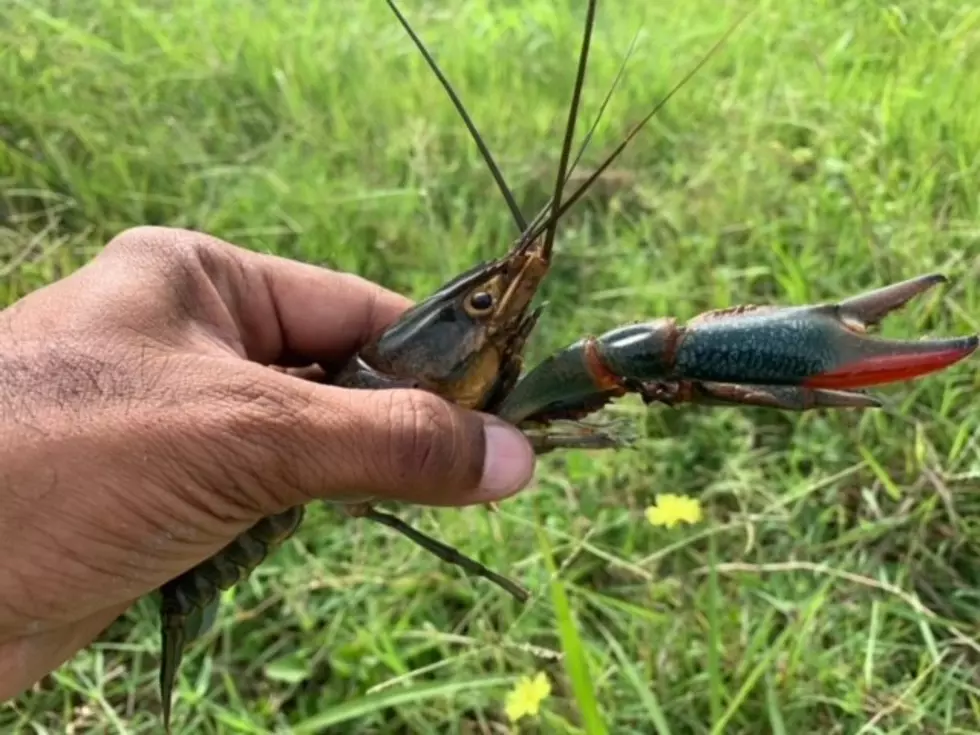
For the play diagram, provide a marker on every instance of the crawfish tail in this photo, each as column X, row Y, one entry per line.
column 171, row 652
column 173, row 638
column 189, row 603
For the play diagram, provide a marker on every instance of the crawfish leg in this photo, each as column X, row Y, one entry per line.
column 443, row 551
column 782, row 397
column 190, row 602
column 545, row 438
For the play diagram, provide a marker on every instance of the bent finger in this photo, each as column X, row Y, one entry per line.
column 281, row 308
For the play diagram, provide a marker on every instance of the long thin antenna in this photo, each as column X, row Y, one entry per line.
column 477, row 138
column 605, row 103
column 564, row 207
column 566, row 148
column 588, row 136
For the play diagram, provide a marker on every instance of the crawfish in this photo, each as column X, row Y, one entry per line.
column 465, row 343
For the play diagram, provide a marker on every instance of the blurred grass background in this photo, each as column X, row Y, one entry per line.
column 830, row 147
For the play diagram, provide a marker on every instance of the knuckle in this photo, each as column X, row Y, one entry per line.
column 422, row 438
column 256, row 439
column 146, row 241
column 186, row 270
column 168, row 249
column 137, row 236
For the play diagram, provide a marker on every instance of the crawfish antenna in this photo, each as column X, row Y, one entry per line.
column 474, row 133
column 559, row 207
column 566, row 148
column 539, row 217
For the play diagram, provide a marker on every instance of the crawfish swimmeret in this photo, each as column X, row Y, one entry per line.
column 465, row 343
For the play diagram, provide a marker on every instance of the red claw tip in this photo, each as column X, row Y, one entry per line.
column 894, row 368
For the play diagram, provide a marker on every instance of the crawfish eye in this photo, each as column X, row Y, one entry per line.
column 481, row 301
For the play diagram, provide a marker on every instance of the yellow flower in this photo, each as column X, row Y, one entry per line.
column 669, row 510
column 526, row 696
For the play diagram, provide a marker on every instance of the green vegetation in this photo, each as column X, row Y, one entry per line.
column 831, row 146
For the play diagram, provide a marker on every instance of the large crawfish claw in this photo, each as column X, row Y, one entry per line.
column 861, row 361
column 792, row 358
column 821, row 346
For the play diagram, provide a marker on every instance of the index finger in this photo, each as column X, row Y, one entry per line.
column 300, row 309
column 282, row 311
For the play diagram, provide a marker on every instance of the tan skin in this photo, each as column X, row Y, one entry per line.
column 141, row 429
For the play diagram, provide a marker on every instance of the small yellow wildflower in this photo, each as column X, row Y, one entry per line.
column 669, row 510
column 526, row 696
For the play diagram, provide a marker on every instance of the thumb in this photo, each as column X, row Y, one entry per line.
column 330, row 443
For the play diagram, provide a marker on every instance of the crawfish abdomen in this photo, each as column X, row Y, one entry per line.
column 189, row 602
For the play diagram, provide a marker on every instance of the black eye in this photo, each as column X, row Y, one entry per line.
column 481, row 301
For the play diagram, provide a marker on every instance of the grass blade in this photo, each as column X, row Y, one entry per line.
column 716, row 688
column 576, row 662
column 643, row 692
column 374, row 703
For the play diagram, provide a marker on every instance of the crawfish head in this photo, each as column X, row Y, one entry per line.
column 464, row 342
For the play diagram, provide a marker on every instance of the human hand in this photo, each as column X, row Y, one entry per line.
column 141, row 429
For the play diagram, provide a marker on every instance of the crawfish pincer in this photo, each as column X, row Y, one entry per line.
column 793, row 358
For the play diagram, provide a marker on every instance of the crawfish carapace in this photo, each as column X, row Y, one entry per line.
column 464, row 342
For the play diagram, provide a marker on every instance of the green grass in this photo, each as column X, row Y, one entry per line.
column 831, row 146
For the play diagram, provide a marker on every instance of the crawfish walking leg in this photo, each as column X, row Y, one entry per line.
column 447, row 553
